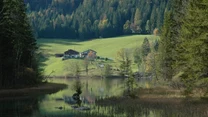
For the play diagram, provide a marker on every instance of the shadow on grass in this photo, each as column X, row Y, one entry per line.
column 47, row 42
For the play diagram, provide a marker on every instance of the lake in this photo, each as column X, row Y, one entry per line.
column 56, row 105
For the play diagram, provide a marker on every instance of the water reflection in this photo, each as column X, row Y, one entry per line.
column 18, row 107
column 92, row 89
column 60, row 104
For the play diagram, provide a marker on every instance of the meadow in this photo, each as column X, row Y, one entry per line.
column 105, row 47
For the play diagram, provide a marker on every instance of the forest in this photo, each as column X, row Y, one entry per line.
column 18, row 58
column 183, row 47
column 166, row 41
column 87, row 19
column 180, row 59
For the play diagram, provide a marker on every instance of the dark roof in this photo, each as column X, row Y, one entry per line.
column 71, row 52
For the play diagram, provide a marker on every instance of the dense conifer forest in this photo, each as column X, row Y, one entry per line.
column 18, row 60
column 183, row 47
column 85, row 19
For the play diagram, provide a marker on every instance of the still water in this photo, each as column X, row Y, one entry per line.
column 58, row 104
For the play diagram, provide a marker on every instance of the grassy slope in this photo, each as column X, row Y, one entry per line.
column 107, row 47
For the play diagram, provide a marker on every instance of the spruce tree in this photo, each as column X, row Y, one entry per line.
column 137, row 20
column 165, row 49
column 170, row 38
column 17, row 46
column 7, row 46
column 1, row 43
column 145, row 48
column 194, row 45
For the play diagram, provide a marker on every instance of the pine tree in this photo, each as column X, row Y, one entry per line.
column 194, row 44
column 137, row 20
column 145, row 48
column 17, row 46
column 6, row 42
column 165, row 49
column 1, row 43
column 123, row 57
column 170, row 38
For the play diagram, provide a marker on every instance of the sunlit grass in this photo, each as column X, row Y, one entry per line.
column 107, row 47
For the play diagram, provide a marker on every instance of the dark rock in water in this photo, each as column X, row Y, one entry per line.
column 75, row 99
column 70, row 100
column 74, row 106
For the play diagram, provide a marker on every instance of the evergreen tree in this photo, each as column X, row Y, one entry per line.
column 126, row 27
column 123, row 57
column 165, row 49
column 145, row 48
column 17, row 47
column 1, row 43
column 193, row 61
column 137, row 57
column 170, row 38
column 116, row 14
column 147, row 27
column 137, row 20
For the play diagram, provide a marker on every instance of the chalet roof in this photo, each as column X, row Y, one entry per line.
column 71, row 52
column 87, row 51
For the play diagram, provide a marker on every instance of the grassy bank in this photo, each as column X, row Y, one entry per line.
column 156, row 95
column 155, row 107
column 44, row 88
column 107, row 47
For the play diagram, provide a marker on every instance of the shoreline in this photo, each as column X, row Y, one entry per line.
column 155, row 95
column 44, row 88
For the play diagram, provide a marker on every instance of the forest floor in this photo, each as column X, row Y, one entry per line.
column 44, row 88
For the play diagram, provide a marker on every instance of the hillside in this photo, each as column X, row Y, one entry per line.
column 105, row 48
column 87, row 19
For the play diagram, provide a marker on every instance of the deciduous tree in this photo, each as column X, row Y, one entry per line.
column 124, row 58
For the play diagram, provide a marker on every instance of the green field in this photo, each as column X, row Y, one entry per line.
column 107, row 47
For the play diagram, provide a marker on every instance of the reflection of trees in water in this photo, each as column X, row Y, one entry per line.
column 18, row 108
column 108, row 84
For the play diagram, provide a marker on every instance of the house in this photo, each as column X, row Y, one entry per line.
column 86, row 52
column 70, row 54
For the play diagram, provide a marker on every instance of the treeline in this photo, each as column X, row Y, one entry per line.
column 85, row 19
column 183, row 48
column 18, row 64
